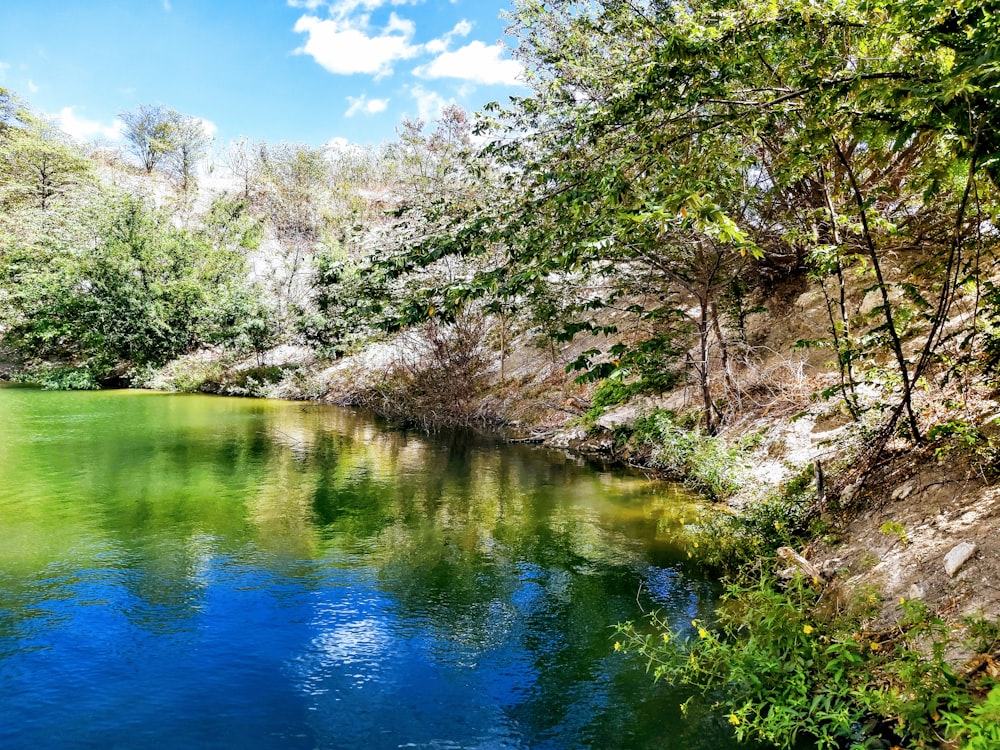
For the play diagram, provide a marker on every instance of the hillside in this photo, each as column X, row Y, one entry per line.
column 747, row 246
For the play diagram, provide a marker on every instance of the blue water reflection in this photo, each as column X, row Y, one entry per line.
column 212, row 573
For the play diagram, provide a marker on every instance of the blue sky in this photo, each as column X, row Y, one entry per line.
column 306, row 71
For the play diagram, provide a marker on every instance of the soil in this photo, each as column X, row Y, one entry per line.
column 918, row 508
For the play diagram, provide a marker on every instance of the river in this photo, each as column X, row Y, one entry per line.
column 183, row 571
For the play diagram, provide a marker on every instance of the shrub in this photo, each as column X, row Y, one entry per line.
column 734, row 541
column 700, row 460
column 785, row 675
column 437, row 378
column 59, row 378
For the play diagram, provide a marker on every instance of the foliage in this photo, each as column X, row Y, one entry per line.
column 979, row 729
column 136, row 296
column 39, row 168
column 688, row 453
column 786, row 673
column 56, row 378
column 670, row 153
column 739, row 542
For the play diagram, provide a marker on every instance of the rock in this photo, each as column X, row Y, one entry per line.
column 957, row 557
column 917, row 591
column 904, row 490
column 798, row 562
column 847, row 494
column 831, row 567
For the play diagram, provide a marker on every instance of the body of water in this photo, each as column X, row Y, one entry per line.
column 184, row 571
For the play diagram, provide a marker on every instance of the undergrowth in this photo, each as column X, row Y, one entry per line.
column 681, row 449
column 785, row 672
column 58, row 378
column 734, row 542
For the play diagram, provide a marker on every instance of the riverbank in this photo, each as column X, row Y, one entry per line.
column 919, row 526
column 902, row 563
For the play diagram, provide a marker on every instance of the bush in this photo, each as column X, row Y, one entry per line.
column 787, row 675
column 700, row 460
column 734, row 541
column 59, row 378
column 437, row 378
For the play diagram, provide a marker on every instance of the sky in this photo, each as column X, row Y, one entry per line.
column 300, row 71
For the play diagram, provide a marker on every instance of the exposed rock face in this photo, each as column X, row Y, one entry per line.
column 957, row 557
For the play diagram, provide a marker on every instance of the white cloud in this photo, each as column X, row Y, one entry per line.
column 341, row 9
column 344, row 46
column 87, row 130
column 474, row 62
column 208, row 126
column 365, row 105
column 437, row 46
column 32, row 87
column 429, row 103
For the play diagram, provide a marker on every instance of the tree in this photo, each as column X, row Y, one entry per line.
column 242, row 160
column 669, row 148
column 38, row 166
column 139, row 295
column 151, row 134
column 189, row 144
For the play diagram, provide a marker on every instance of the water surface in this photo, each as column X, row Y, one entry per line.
column 197, row 572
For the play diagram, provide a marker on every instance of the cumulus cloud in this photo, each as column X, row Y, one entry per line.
column 208, row 126
column 475, row 62
column 362, row 104
column 346, row 46
column 83, row 129
column 429, row 103
column 437, row 46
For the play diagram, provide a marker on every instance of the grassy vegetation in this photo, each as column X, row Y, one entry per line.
column 790, row 662
column 786, row 670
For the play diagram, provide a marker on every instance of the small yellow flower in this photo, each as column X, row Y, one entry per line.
column 694, row 623
column 734, row 720
column 874, row 645
column 666, row 637
column 702, row 633
column 902, row 600
column 618, row 646
column 696, row 545
column 691, row 659
column 807, row 629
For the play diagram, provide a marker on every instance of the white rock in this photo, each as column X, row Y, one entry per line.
column 903, row 491
column 957, row 557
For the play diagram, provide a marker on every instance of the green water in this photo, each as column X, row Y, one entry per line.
column 196, row 571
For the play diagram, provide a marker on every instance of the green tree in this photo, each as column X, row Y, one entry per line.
column 135, row 297
column 150, row 133
column 39, row 165
column 190, row 143
column 38, row 168
column 670, row 148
